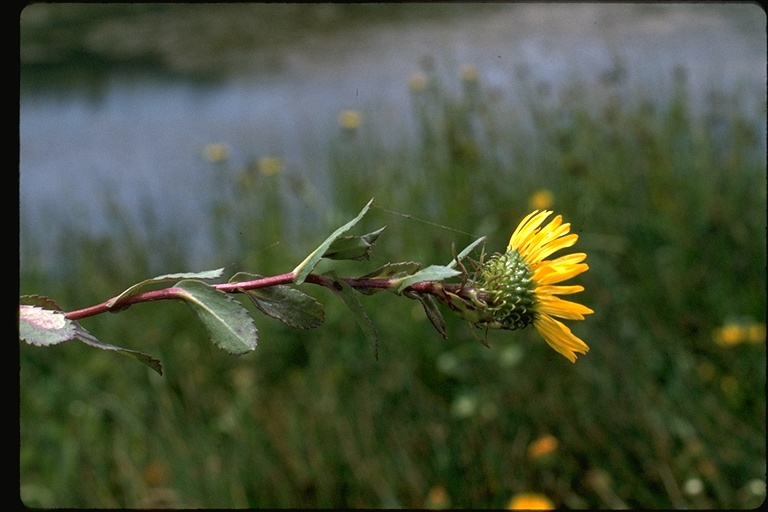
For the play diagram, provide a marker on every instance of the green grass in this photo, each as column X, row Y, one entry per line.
column 670, row 205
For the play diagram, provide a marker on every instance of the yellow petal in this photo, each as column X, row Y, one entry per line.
column 558, row 307
column 560, row 337
column 548, row 232
column 552, row 275
column 558, row 290
column 527, row 227
column 551, row 247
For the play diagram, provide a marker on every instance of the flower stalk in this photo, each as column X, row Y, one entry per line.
column 511, row 290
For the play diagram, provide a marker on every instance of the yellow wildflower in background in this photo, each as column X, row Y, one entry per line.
column 270, row 165
column 756, row 333
column 736, row 333
column 216, row 153
column 541, row 199
column 350, row 119
column 468, row 73
column 522, row 285
column 417, row 82
column 437, row 498
column 530, row 501
column 542, row 447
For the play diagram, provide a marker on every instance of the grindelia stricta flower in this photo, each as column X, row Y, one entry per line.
column 522, row 285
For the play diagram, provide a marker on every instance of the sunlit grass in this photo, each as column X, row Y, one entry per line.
column 666, row 410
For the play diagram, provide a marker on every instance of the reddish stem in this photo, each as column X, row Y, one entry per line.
column 239, row 287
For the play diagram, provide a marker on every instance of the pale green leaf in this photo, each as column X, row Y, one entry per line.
column 44, row 327
column 207, row 274
column 90, row 340
column 352, row 247
column 305, row 267
column 226, row 320
column 431, row 273
column 463, row 254
column 393, row 270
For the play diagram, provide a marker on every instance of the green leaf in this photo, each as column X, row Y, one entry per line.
column 463, row 254
column 433, row 313
column 89, row 339
column 39, row 300
column 44, row 327
column 388, row 271
column 38, row 326
column 431, row 273
column 226, row 320
column 305, row 267
column 352, row 247
column 393, row 270
column 207, row 274
column 289, row 305
column 347, row 294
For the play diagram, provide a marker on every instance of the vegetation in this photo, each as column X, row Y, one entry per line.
column 666, row 410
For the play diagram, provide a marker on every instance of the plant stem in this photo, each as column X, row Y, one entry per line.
column 263, row 282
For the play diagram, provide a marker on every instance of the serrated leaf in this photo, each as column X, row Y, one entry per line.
column 352, row 247
column 39, row 300
column 347, row 295
column 44, row 327
column 292, row 307
column 431, row 273
column 207, row 274
column 226, row 320
column 463, row 254
column 90, row 340
column 310, row 262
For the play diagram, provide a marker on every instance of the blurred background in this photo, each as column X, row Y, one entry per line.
column 158, row 138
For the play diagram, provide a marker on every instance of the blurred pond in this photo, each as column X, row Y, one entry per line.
column 134, row 134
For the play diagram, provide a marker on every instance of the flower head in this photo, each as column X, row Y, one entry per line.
column 543, row 446
column 417, row 82
column 270, row 165
column 216, row 153
column 349, row 119
column 437, row 498
column 541, row 199
column 522, row 285
column 468, row 73
column 530, row 501
column 735, row 333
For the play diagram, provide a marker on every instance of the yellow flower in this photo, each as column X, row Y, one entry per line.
column 756, row 333
column 522, row 285
column 270, row 165
column 542, row 447
column 468, row 73
column 530, row 501
column 349, row 119
column 735, row 333
column 541, row 199
column 216, row 153
column 437, row 498
column 417, row 82
column 729, row 334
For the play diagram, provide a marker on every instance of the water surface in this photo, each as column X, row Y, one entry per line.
column 135, row 136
